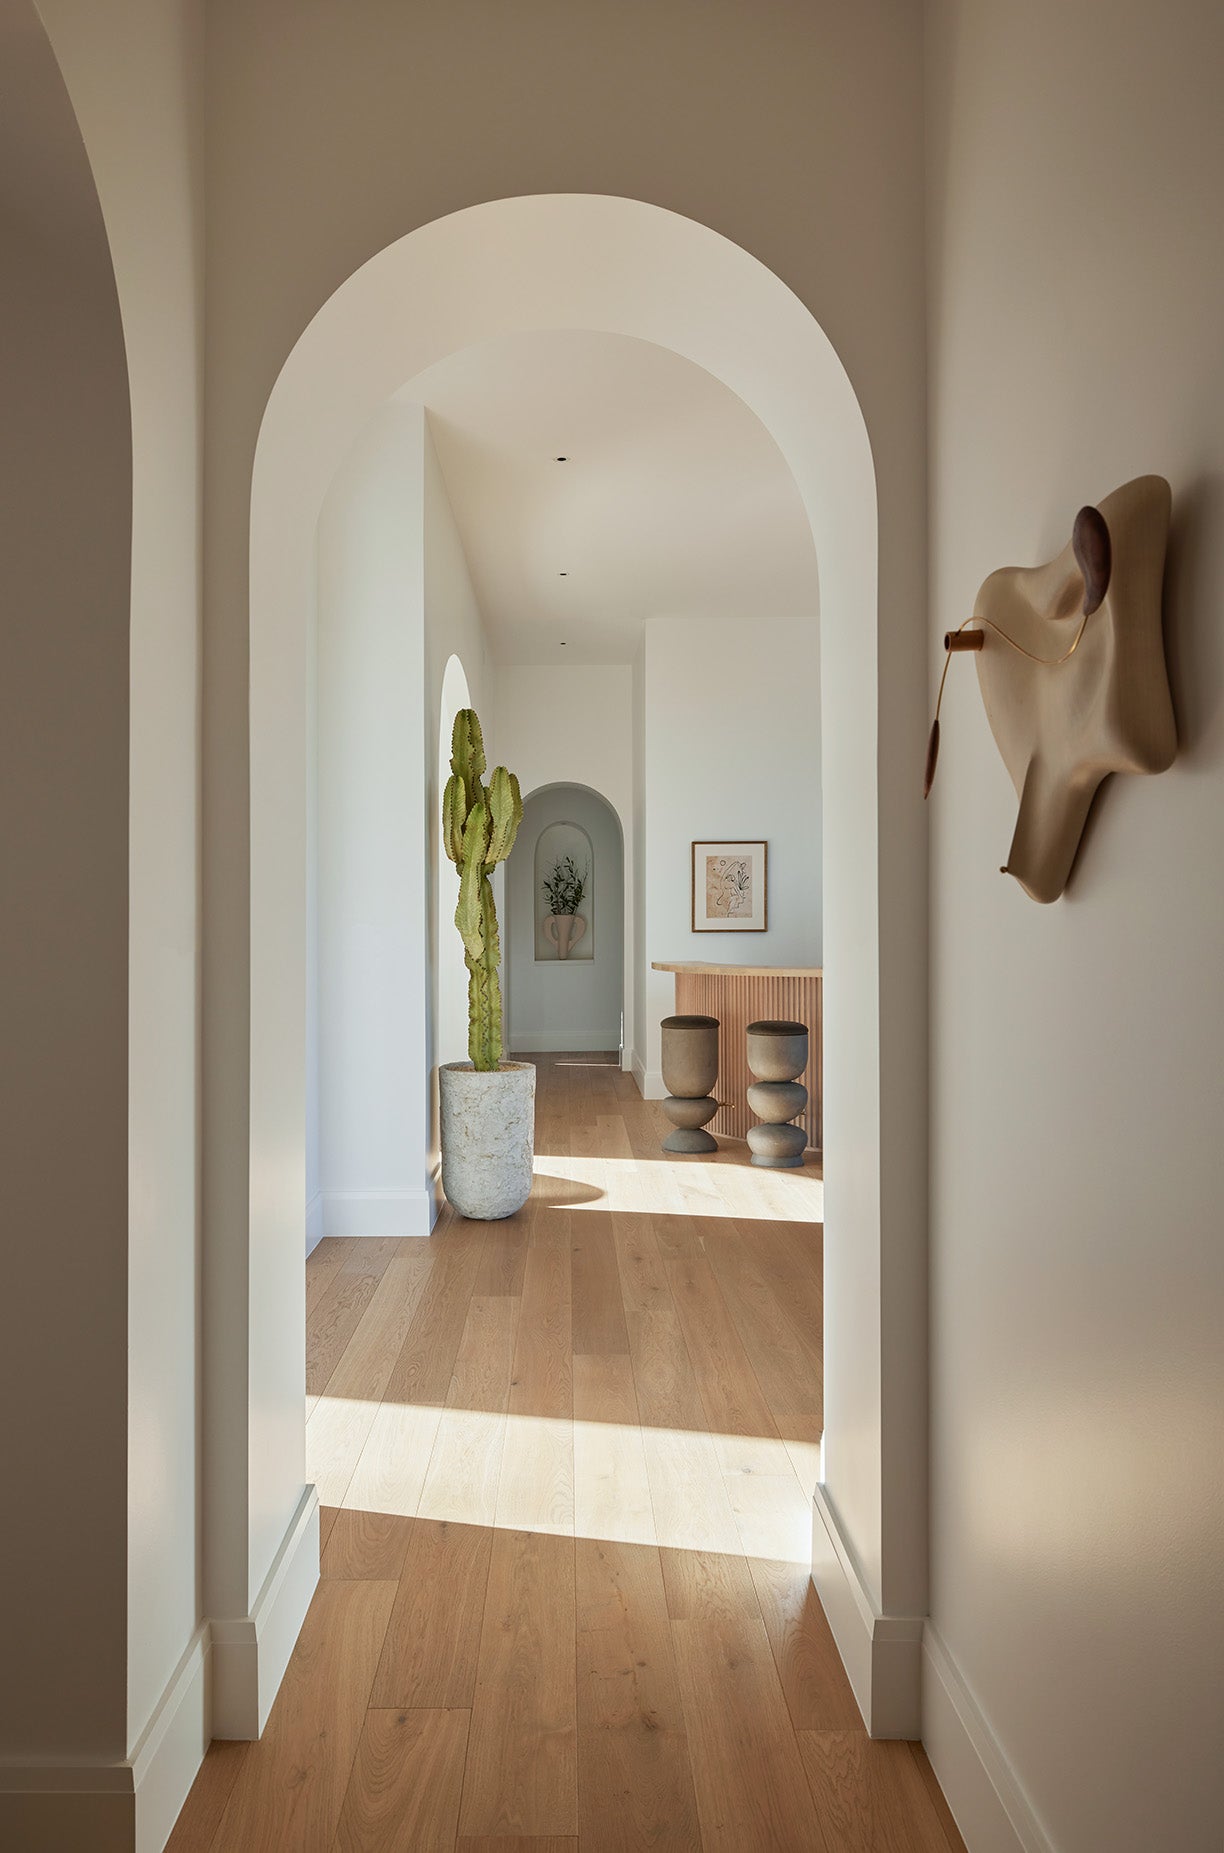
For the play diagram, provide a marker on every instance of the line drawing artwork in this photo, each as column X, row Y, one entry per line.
column 728, row 887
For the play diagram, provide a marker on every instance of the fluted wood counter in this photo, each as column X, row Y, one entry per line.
column 742, row 994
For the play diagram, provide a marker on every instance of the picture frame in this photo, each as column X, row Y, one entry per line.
column 729, row 886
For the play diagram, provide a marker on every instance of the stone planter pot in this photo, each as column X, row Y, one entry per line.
column 564, row 930
column 488, row 1138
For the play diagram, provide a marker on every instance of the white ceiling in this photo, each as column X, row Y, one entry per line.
column 674, row 500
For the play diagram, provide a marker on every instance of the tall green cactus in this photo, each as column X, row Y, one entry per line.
column 479, row 826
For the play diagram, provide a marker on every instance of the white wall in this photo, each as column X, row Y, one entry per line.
column 395, row 602
column 575, row 726
column 1077, row 168
column 454, row 626
column 731, row 749
column 373, row 908
column 574, row 1003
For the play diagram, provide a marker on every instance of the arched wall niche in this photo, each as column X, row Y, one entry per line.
column 566, row 838
column 602, row 262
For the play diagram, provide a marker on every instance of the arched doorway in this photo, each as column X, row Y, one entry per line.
column 621, row 265
column 575, row 1003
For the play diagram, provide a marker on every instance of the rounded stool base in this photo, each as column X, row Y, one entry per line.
column 690, row 1140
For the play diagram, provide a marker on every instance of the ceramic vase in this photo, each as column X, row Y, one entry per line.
column 564, row 930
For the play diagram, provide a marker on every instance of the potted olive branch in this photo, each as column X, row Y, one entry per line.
column 488, row 1105
column 564, row 888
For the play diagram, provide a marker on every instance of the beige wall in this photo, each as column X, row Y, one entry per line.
column 104, row 489
column 65, row 467
column 1077, row 302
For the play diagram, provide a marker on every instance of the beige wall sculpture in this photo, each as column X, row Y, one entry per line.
column 1071, row 665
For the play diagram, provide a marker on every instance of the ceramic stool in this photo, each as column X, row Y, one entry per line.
column 777, row 1056
column 690, row 1069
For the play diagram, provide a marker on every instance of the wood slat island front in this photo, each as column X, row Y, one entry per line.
column 742, row 994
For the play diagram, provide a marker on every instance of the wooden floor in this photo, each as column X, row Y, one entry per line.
column 566, row 1464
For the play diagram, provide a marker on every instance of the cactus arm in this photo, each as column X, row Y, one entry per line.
column 454, row 816
column 506, row 811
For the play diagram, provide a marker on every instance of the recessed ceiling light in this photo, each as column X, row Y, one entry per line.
column 560, row 459
column 562, row 575
column 564, row 645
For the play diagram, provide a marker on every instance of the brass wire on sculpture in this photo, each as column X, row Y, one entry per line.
column 1094, row 555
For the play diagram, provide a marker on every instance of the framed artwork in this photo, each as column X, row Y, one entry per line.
column 729, row 894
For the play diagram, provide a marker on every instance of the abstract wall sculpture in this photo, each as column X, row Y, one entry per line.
column 1071, row 665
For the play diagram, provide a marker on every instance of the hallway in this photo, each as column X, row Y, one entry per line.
column 565, row 1463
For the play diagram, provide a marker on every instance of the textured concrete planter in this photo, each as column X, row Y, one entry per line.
column 488, row 1137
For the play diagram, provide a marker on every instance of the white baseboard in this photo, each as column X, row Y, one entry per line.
column 127, row 1807
column 377, row 1212
column 649, row 1084
column 223, row 1686
column 251, row 1652
column 562, row 1042
column 314, row 1221
column 981, row 1788
column 882, row 1654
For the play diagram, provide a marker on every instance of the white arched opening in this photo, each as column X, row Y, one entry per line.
column 577, row 1003
column 619, row 265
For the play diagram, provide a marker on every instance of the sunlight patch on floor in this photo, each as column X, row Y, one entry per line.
column 676, row 1488
column 679, row 1187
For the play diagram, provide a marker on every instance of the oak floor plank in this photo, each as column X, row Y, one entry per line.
column 196, row 1827
column 321, row 1264
column 522, row 1754
column 517, row 1843
column 643, row 1279
column 736, row 1410
column 422, row 1372
column 290, row 1793
column 336, row 1433
column 814, row 1683
column 709, row 1586
column 504, row 1255
column 464, row 1472
column 542, row 1379
column 389, row 1474
column 786, row 1363
column 747, row 1770
column 634, row 1783
column 870, row 1795
column 333, row 1323
column 611, row 1483
column 406, row 1783
column 366, row 1547
column 433, row 1637
column 368, row 1359
column 667, row 1391
column 598, row 1312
